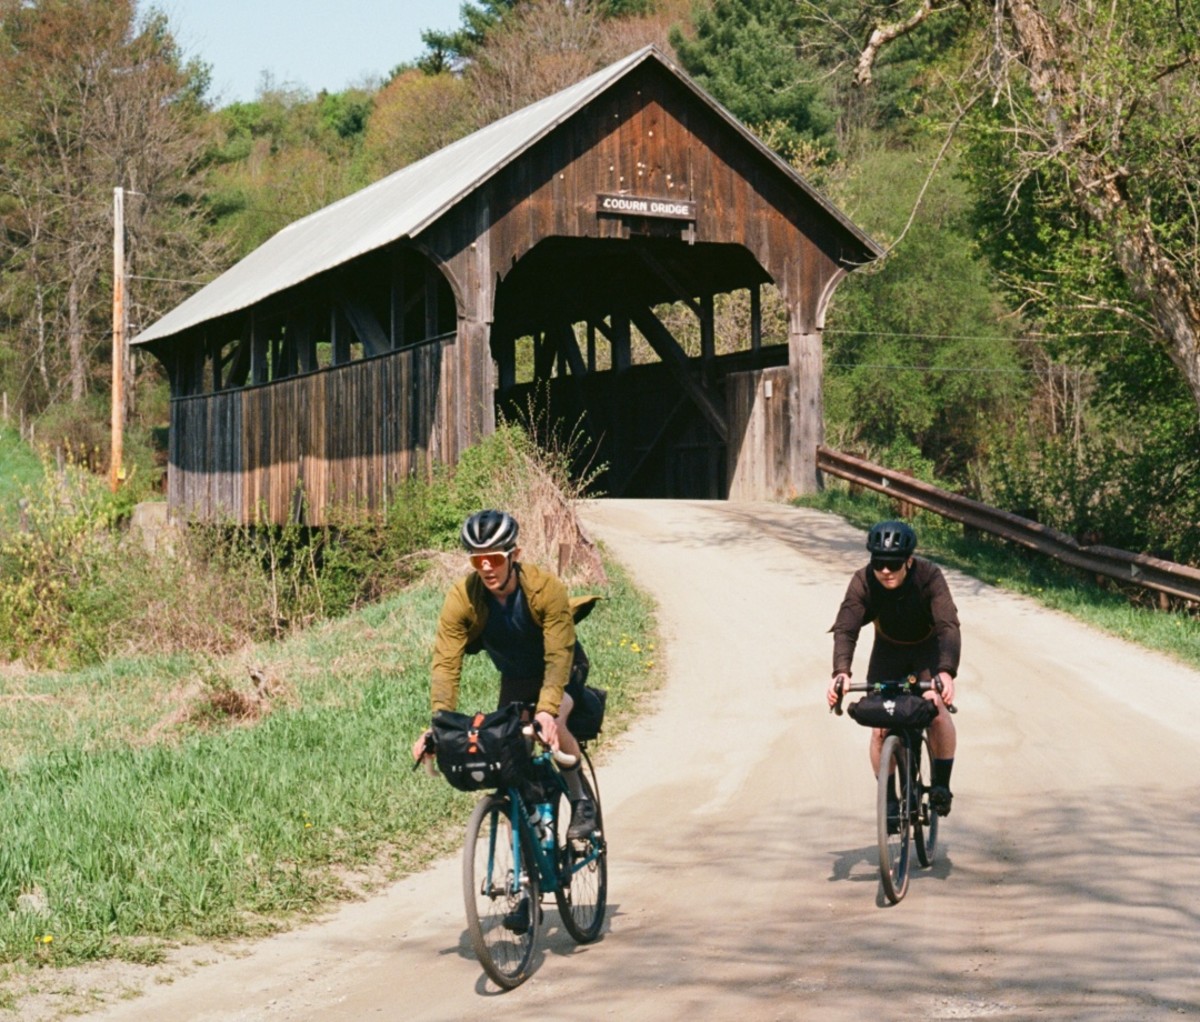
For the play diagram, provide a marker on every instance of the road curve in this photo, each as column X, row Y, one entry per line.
column 740, row 816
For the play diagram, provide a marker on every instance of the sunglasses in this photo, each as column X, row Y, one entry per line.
column 490, row 561
column 887, row 564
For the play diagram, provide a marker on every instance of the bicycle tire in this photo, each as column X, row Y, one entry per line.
column 925, row 821
column 893, row 848
column 492, row 892
column 582, row 892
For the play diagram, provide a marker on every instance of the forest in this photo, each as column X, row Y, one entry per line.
column 1031, row 338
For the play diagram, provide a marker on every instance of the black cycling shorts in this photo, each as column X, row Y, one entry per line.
column 528, row 692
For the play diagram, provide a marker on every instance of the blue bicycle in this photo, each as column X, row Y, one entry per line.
column 516, row 852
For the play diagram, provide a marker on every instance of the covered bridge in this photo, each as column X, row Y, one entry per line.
column 388, row 330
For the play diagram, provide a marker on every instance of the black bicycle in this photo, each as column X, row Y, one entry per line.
column 516, row 852
column 908, row 757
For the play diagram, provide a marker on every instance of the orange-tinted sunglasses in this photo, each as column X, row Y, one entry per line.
column 490, row 561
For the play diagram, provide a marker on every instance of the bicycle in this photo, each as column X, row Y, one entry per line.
column 516, row 851
column 907, row 755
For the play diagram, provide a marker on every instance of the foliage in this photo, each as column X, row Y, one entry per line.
column 95, row 98
column 73, row 593
column 922, row 370
column 414, row 115
column 744, row 53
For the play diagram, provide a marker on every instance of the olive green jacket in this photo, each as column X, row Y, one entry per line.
column 461, row 624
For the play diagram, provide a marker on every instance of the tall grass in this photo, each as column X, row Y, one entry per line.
column 208, row 793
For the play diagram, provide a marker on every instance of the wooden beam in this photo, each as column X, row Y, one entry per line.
column 366, row 327
column 568, row 348
column 685, row 295
column 677, row 362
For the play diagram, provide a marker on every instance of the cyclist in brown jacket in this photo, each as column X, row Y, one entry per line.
column 521, row 617
column 916, row 632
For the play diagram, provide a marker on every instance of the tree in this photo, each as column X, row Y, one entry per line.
column 414, row 115
column 1100, row 105
column 744, row 54
column 94, row 100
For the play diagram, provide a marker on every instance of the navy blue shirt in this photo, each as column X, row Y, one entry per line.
column 512, row 639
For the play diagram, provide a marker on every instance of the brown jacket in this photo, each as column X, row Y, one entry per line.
column 918, row 610
column 464, row 614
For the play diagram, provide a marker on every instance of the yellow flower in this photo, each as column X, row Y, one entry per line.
column 48, row 938
column 635, row 647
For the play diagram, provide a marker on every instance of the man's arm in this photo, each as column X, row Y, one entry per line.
column 851, row 616
column 449, row 645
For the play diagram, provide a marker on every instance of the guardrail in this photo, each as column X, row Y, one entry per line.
column 1140, row 569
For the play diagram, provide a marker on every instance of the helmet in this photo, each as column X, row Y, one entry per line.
column 489, row 530
column 891, row 539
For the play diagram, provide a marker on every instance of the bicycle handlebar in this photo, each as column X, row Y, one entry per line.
column 877, row 686
column 531, row 731
column 563, row 759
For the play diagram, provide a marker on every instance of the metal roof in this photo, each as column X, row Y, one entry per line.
column 406, row 202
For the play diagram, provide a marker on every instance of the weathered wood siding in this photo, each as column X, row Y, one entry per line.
column 759, row 417
column 294, row 449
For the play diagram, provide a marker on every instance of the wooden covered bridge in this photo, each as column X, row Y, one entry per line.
column 389, row 330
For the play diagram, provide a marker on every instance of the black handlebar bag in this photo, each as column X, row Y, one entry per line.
column 893, row 709
column 483, row 750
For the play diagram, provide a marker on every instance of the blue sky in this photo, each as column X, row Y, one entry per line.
column 313, row 44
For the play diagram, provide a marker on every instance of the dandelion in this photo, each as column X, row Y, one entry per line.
column 46, row 938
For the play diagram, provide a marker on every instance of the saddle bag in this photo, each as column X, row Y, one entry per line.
column 893, row 709
column 483, row 750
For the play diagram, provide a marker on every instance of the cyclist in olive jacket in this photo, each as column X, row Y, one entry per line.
column 522, row 617
column 916, row 632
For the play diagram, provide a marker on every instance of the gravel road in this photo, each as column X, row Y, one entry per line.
column 740, row 815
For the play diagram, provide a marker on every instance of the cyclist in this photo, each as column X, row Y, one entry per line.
column 521, row 616
column 916, row 632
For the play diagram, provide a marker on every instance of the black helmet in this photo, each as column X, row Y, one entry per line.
column 891, row 539
column 489, row 530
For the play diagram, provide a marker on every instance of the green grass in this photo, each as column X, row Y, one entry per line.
column 136, row 813
column 1125, row 611
column 20, row 468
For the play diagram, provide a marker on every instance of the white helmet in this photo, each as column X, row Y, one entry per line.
column 489, row 530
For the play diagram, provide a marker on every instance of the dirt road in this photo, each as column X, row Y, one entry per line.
column 740, row 815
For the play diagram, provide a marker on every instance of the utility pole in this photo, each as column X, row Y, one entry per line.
column 116, row 471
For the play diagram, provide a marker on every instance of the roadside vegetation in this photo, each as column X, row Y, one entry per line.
column 224, row 786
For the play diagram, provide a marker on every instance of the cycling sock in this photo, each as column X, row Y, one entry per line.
column 574, row 783
column 941, row 772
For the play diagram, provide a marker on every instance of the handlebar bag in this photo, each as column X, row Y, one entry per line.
column 482, row 750
column 893, row 709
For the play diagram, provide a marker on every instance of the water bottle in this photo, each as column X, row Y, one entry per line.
column 545, row 824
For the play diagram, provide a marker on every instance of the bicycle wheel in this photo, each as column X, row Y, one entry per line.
column 925, row 820
column 501, row 892
column 893, row 848
column 582, row 892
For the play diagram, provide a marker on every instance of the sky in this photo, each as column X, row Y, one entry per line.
column 311, row 44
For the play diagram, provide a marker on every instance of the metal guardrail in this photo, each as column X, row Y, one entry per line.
column 1139, row 569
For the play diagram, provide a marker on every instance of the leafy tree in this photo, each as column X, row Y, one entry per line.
column 744, row 53
column 414, row 115
column 922, row 368
column 1100, row 104
column 283, row 156
column 94, row 99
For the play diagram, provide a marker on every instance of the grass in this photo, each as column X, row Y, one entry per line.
column 19, row 470
column 151, row 801
column 1125, row 611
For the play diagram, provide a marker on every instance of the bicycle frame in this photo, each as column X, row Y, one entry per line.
column 550, row 878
